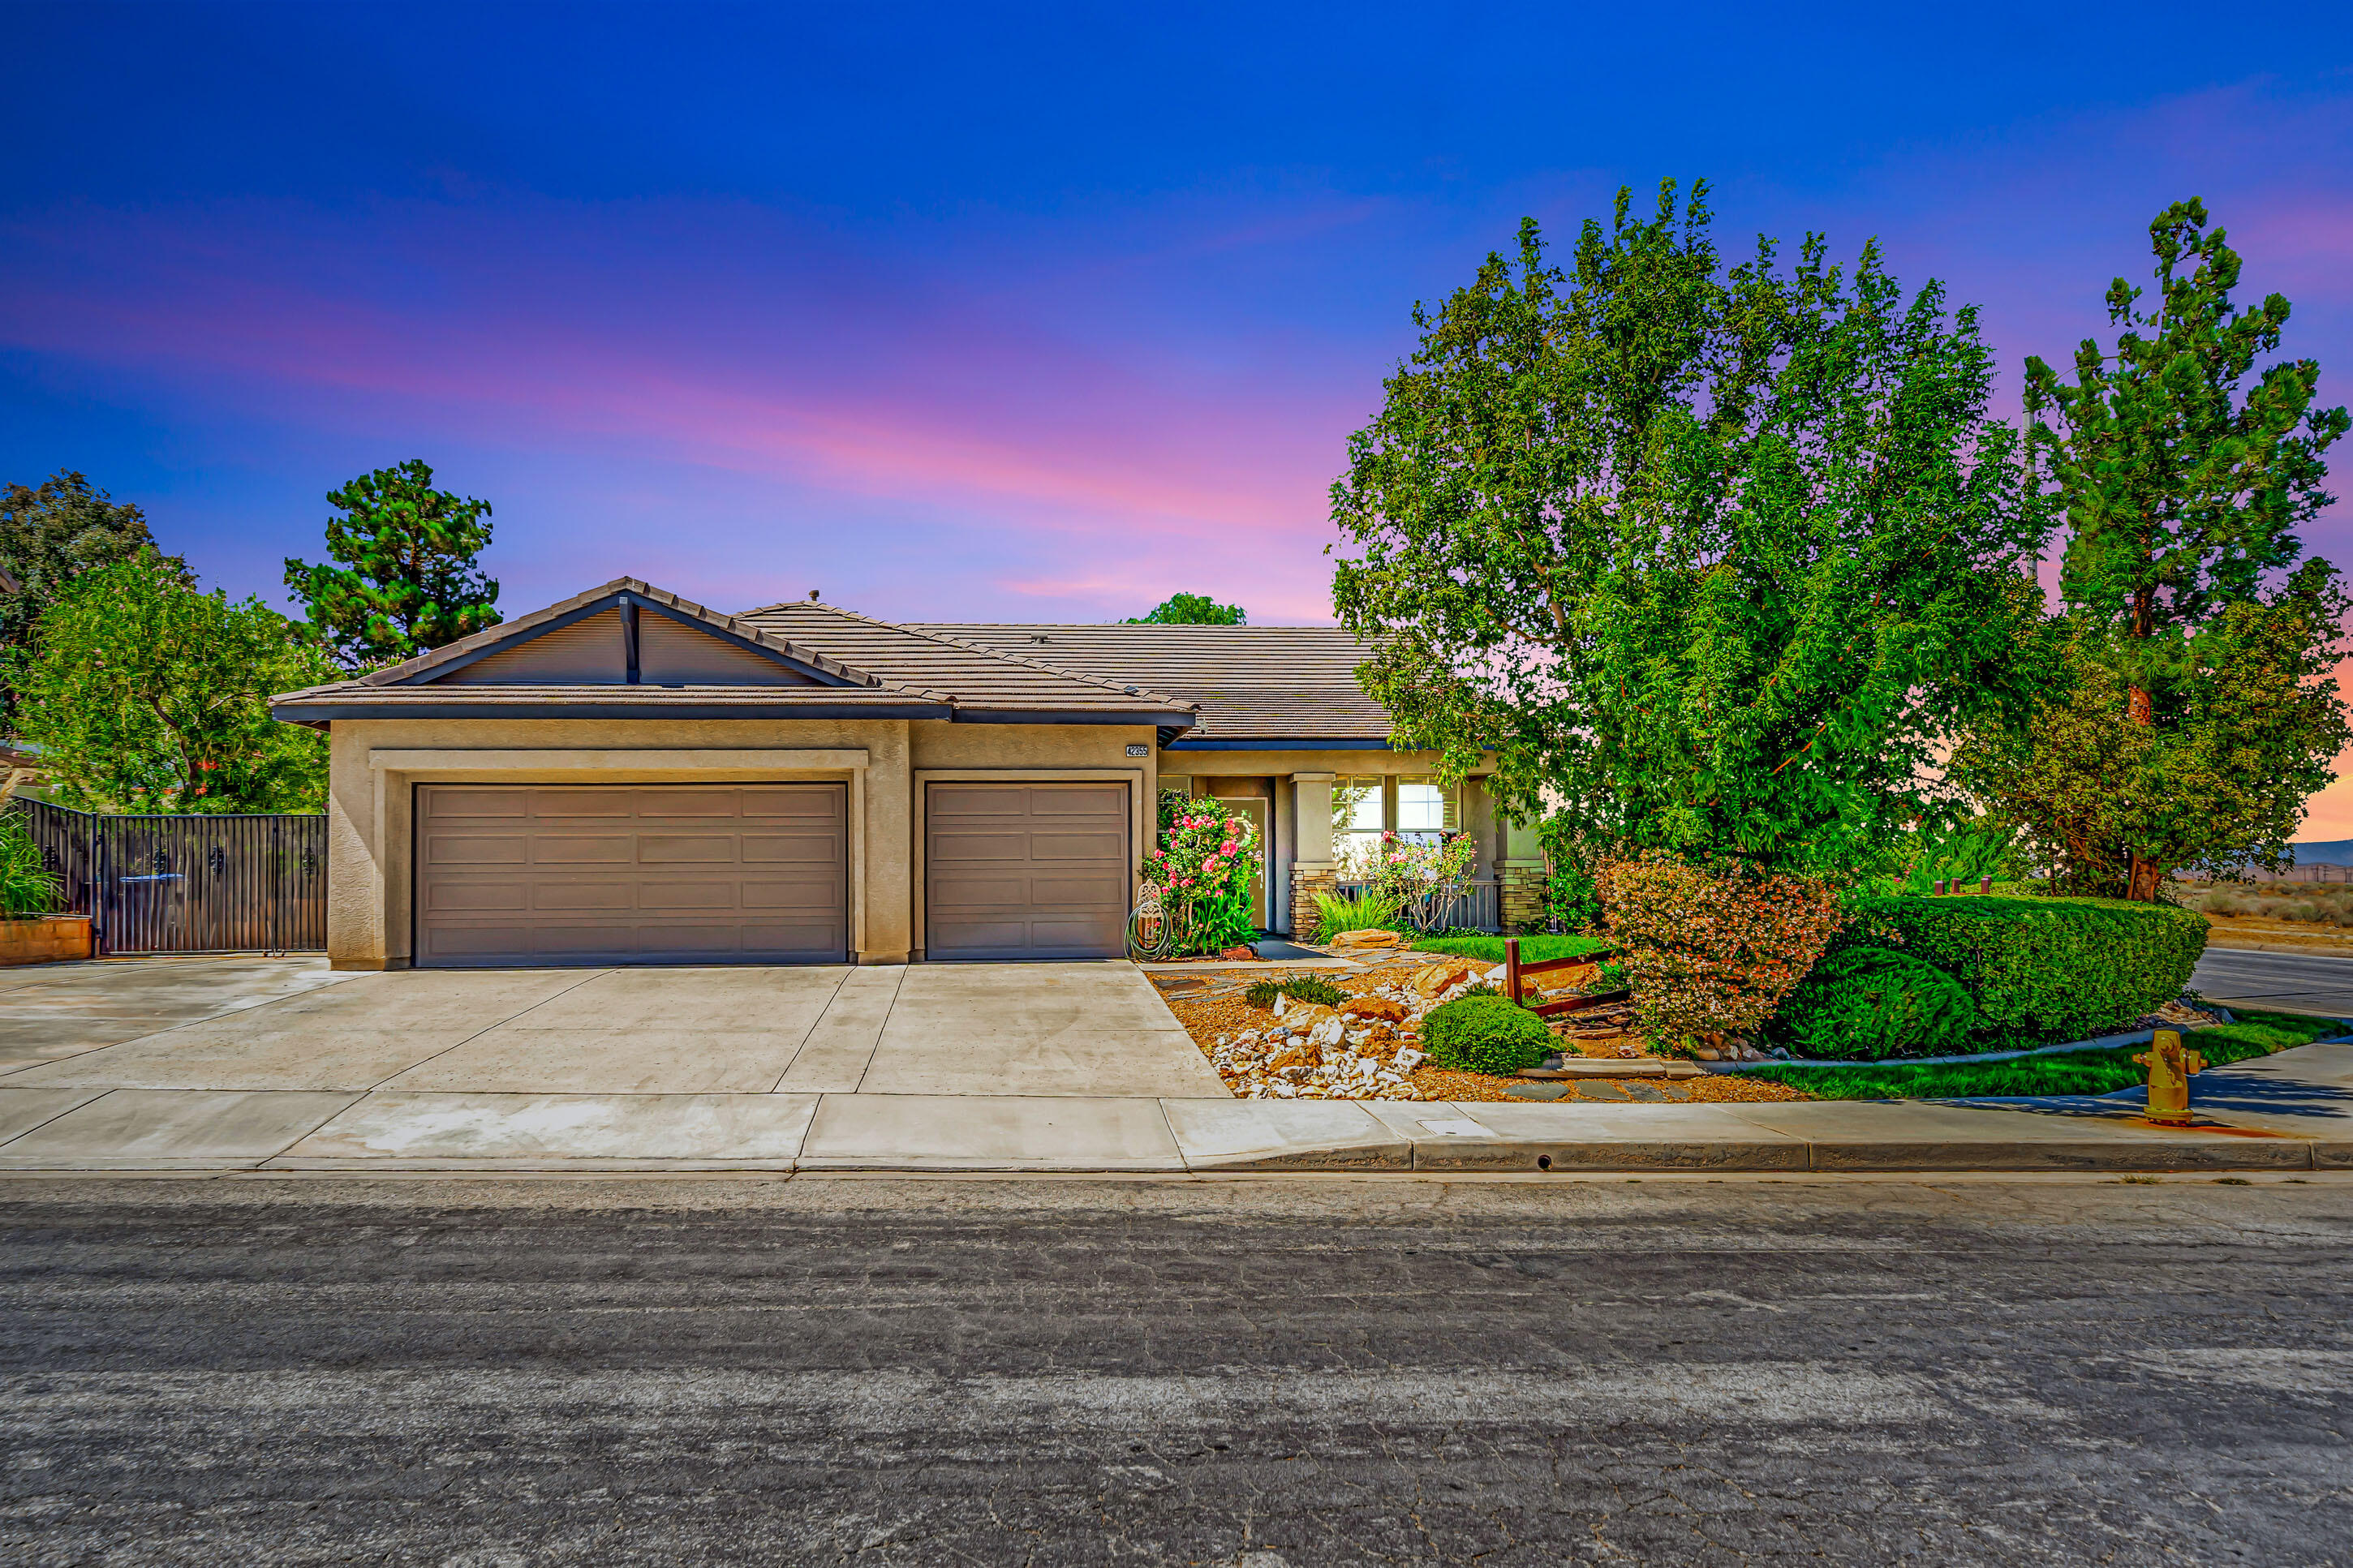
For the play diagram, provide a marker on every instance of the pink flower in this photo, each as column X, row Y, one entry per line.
column 1227, row 848
column 1156, row 854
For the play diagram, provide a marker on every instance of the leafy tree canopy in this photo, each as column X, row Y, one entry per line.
column 51, row 535
column 1188, row 610
column 2218, row 781
column 145, row 695
column 1712, row 559
column 2200, row 715
column 406, row 582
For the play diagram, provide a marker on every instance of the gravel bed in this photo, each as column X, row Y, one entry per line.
column 1214, row 1008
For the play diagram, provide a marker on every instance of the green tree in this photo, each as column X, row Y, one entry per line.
column 147, row 696
column 407, row 580
column 2182, row 494
column 1713, row 560
column 51, row 535
column 1188, row 610
column 2217, row 779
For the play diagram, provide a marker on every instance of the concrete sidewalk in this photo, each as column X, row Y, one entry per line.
column 2292, row 1111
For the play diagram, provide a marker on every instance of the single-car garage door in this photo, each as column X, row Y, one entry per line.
column 631, row 874
column 1026, row 870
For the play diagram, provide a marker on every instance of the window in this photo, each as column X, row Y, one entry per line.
column 1356, row 820
column 1423, row 810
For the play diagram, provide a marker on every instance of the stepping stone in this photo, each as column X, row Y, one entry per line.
column 1538, row 1091
column 1603, row 1089
column 1647, row 1092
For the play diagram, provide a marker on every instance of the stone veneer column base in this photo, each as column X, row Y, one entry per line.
column 1519, row 890
column 1307, row 879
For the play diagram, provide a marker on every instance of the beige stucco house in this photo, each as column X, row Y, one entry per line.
column 626, row 777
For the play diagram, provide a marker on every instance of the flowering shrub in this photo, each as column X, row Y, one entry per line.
column 1398, row 870
column 1712, row 952
column 1202, row 869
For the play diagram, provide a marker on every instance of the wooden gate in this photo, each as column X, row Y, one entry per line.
column 188, row 884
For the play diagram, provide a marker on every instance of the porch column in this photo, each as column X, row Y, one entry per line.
column 1520, row 876
column 1313, row 871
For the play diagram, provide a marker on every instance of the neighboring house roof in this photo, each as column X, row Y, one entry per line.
column 1256, row 686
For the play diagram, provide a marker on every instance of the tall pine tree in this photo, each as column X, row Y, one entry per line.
column 407, row 580
column 2183, row 489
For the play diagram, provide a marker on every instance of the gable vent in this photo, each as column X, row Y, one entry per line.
column 669, row 654
column 585, row 653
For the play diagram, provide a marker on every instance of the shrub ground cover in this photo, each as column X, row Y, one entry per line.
column 2044, row 971
column 2070, row 1072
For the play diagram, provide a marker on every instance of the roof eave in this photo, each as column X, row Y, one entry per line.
column 322, row 711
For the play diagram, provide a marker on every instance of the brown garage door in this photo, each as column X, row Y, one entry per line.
column 618, row 874
column 1026, row 870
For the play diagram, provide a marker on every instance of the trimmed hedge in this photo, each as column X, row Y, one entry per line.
column 1867, row 1003
column 1485, row 1034
column 2042, row 971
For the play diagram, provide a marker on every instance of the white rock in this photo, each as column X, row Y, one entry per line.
column 1409, row 1058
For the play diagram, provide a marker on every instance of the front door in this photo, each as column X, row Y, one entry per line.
column 1255, row 809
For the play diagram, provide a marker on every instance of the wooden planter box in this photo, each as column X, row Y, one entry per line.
column 43, row 939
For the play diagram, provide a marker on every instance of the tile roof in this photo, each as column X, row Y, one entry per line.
column 1251, row 683
column 1262, row 685
column 424, row 664
column 972, row 675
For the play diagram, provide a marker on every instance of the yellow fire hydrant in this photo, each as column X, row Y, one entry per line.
column 2170, row 1067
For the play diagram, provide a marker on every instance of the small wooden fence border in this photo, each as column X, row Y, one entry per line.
column 1516, row 973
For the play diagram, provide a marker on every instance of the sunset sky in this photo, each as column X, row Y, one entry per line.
column 1020, row 313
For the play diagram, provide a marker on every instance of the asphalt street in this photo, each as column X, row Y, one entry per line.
column 1260, row 1374
column 2295, row 982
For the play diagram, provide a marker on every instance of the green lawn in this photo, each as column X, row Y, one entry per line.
column 2070, row 1072
column 1532, row 949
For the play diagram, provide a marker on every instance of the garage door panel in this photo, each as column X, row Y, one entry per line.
column 954, row 802
column 1072, row 932
column 1102, row 805
column 670, row 879
column 453, row 804
column 678, row 850
column 1026, row 870
column 688, row 805
column 1096, row 893
column 477, row 850
column 474, row 941
column 561, row 804
column 816, row 809
column 665, row 897
column 481, row 897
column 791, row 849
column 581, row 898
column 819, row 898
column 574, row 849
column 1093, row 848
column 963, row 846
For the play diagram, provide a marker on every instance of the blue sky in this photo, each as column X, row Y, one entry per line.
column 1037, row 313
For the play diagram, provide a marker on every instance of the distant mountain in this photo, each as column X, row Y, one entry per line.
column 2328, row 852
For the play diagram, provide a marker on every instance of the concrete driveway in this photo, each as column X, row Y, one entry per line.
column 253, row 1025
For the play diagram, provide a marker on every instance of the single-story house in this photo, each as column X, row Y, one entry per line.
column 627, row 777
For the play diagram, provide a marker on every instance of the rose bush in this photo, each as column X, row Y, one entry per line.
column 1202, row 869
column 1397, row 871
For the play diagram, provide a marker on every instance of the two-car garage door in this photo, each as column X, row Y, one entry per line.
column 532, row 874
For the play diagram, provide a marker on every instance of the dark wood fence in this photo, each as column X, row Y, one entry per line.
column 188, row 884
